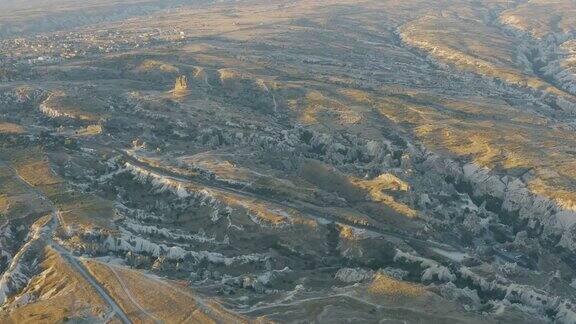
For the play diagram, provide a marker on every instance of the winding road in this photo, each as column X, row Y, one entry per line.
column 71, row 259
column 46, row 234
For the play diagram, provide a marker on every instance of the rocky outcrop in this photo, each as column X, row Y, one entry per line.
column 25, row 263
column 181, row 85
column 351, row 275
column 506, row 195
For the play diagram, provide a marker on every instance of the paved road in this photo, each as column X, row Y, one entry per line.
column 46, row 233
column 71, row 259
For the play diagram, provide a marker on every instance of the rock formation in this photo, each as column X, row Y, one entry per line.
column 181, row 85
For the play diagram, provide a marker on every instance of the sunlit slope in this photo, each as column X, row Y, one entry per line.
column 495, row 135
column 57, row 294
column 463, row 37
column 542, row 18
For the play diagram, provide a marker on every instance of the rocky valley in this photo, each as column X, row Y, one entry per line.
column 302, row 161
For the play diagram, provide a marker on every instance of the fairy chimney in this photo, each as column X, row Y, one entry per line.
column 181, row 84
